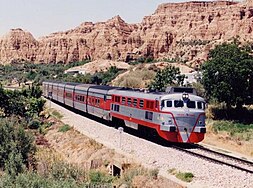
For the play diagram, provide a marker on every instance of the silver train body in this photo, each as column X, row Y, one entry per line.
column 177, row 115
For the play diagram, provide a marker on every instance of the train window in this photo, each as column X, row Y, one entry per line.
column 69, row 95
column 129, row 101
column 116, row 108
column 112, row 106
column 199, row 105
column 98, row 102
column 123, row 100
column 117, row 99
column 168, row 103
column 148, row 115
column 191, row 104
column 135, row 102
column 178, row 103
column 141, row 103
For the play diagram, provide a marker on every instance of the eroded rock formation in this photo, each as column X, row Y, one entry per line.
column 176, row 31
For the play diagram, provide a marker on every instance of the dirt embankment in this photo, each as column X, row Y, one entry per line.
column 75, row 148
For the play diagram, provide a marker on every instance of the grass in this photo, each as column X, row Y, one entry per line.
column 130, row 174
column 184, row 176
column 64, row 128
column 57, row 114
column 235, row 130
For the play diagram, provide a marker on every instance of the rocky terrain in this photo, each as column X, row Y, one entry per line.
column 175, row 31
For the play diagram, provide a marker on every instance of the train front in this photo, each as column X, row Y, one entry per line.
column 182, row 118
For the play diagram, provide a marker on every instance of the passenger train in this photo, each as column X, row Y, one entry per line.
column 177, row 115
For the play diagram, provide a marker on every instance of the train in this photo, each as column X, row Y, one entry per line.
column 176, row 115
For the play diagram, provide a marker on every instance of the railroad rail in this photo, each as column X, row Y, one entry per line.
column 218, row 157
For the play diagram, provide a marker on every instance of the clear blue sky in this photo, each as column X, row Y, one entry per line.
column 42, row 17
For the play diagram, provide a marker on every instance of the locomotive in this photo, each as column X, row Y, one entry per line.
column 177, row 115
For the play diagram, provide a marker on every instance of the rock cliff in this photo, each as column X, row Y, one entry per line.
column 175, row 31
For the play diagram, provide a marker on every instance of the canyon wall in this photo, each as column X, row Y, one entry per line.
column 175, row 31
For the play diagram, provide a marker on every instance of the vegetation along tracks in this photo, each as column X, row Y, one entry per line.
column 218, row 157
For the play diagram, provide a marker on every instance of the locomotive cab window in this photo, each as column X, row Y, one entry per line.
column 178, row 103
column 199, row 105
column 168, row 103
column 191, row 104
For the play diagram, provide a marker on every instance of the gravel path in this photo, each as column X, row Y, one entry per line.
column 206, row 174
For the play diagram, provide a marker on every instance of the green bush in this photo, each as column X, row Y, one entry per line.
column 63, row 171
column 97, row 177
column 185, row 176
column 234, row 129
column 33, row 180
column 16, row 145
column 34, row 124
column 64, row 128
column 57, row 114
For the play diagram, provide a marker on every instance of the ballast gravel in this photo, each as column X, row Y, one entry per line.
column 149, row 154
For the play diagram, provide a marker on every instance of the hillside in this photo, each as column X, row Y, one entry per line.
column 177, row 31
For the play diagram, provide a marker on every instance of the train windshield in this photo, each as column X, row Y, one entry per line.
column 180, row 104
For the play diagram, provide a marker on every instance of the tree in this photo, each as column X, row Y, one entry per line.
column 169, row 76
column 228, row 75
column 15, row 146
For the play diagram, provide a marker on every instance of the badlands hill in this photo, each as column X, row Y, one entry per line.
column 182, row 31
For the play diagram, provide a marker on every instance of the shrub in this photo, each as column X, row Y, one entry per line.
column 33, row 180
column 63, row 171
column 57, row 114
column 185, row 176
column 97, row 177
column 64, row 128
column 34, row 124
column 16, row 145
column 233, row 129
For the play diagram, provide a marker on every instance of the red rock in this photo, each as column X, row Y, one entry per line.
column 182, row 31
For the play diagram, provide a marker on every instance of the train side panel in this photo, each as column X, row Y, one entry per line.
column 80, row 97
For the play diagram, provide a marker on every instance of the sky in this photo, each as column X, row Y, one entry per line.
column 42, row 17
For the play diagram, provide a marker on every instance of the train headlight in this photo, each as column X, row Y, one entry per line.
column 185, row 97
column 200, row 122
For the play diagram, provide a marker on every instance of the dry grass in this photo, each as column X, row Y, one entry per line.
column 224, row 140
column 136, row 78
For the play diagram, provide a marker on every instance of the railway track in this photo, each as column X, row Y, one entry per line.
column 218, row 157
